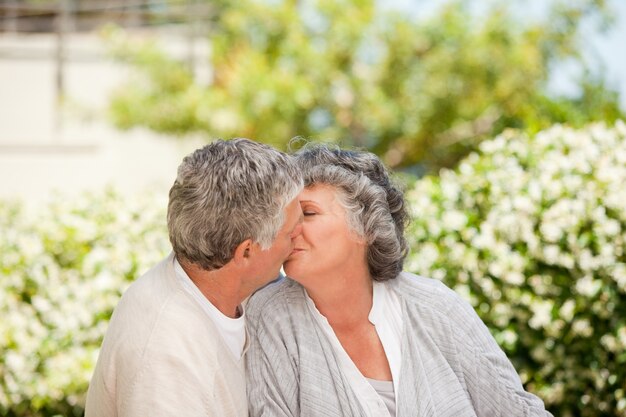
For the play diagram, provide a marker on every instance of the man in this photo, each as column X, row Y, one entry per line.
column 175, row 342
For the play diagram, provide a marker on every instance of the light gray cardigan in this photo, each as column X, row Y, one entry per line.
column 451, row 365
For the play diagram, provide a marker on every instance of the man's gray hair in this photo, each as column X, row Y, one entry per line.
column 227, row 192
column 375, row 207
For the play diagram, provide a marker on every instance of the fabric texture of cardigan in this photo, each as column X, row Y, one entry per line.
column 451, row 365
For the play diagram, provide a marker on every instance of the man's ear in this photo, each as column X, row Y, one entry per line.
column 243, row 252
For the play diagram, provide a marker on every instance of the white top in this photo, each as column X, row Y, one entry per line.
column 386, row 316
column 387, row 393
column 162, row 357
column 232, row 330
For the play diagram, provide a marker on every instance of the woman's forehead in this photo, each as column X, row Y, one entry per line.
column 319, row 190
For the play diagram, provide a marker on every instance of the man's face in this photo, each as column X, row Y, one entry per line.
column 270, row 260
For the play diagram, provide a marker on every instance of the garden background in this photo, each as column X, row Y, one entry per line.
column 502, row 119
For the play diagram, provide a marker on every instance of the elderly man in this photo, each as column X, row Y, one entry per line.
column 175, row 342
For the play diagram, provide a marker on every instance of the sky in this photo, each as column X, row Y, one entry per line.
column 607, row 54
column 611, row 48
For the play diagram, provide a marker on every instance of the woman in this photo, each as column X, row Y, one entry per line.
column 350, row 334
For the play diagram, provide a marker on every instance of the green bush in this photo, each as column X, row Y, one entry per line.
column 63, row 268
column 532, row 231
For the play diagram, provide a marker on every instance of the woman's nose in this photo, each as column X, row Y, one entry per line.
column 297, row 231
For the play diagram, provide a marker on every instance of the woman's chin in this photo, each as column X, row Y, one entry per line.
column 291, row 271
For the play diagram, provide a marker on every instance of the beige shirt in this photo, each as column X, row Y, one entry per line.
column 161, row 356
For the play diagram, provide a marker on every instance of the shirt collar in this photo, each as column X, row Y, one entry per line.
column 379, row 299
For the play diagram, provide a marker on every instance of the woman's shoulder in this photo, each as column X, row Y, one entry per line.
column 274, row 297
column 432, row 300
column 426, row 292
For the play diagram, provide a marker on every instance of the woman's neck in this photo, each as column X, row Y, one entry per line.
column 346, row 302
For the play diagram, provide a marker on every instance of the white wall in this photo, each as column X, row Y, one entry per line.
column 39, row 156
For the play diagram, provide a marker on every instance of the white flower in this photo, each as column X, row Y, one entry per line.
column 611, row 227
column 454, row 219
column 588, row 286
column 582, row 327
column 542, row 314
column 567, row 310
column 551, row 254
column 496, row 269
column 522, row 203
column 619, row 275
column 609, row 342
column 552, row 232
column 514, row 278
column 439, row 274
column 449, row 187
column 15, row 362
column 587, row 261
column 509, row 337
column 495, row 145
column 427, row 256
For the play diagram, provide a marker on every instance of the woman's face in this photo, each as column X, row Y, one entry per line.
column 326, row 245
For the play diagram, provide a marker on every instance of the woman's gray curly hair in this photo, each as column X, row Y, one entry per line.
column 375, row 207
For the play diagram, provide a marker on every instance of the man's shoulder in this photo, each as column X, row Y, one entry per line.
column 154, row 310
column 145, row 299
column 157, row 281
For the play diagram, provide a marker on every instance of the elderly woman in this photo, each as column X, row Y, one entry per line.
column 350, row 334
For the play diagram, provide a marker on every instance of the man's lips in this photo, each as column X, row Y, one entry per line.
column 295, row 251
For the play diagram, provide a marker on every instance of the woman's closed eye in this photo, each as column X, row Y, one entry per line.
column 309, row 208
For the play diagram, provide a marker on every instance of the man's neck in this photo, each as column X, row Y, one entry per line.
column 221, row 287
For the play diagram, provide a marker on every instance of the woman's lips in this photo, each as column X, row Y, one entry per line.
column 295, row 251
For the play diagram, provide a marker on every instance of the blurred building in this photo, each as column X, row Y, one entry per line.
column 44, row 16
column 55, row 80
